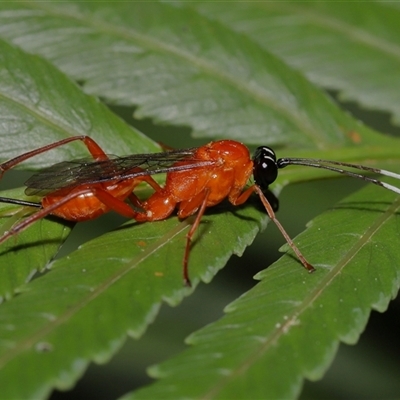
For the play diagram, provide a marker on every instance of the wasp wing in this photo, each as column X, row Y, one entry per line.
column 69, row 174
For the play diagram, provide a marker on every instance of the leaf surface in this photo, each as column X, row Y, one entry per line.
column 179, row 67
column 156, row 56
column 39, row 105
column 352, row 48
column 33, row 249
column 108, row 287
column 289, row 326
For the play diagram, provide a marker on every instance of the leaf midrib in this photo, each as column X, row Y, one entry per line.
column 208, row 68
column 54, row 323
column 338, row 26
column 54, row 124
column 294, row 317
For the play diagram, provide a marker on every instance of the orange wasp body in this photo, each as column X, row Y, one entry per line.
column 196, row 179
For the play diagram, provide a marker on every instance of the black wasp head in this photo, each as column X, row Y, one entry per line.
column 265, row 169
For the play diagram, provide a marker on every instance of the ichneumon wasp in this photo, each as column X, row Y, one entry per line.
column 196, row 178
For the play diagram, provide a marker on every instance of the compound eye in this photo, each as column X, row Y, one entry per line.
column 265, row 169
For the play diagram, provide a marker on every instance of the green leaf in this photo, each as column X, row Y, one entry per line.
column 156, row 56
column 179, row 68
column 39, row 326
column 351, row 48
column 108, row 287
column 289, row 326
column 39, row 105
column 30, row 251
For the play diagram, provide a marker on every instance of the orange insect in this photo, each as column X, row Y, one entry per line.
column 197, row 178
